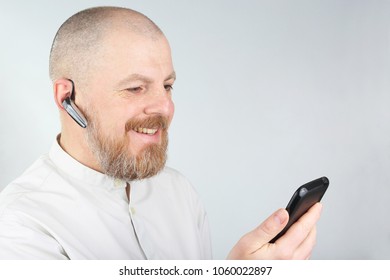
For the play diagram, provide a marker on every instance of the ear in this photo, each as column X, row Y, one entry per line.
column 62, row 89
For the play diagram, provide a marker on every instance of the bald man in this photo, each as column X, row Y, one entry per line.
column 103, row 191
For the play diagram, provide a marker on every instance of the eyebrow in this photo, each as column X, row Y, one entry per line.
column 139, row 77
column 171, row 76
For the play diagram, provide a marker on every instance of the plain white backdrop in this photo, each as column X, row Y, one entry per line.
column 270, row 95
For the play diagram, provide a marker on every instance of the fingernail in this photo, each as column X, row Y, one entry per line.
column 280, row 216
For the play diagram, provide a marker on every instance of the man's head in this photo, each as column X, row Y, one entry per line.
column 121, row 66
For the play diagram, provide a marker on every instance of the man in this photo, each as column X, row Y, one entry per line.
column 103, row 192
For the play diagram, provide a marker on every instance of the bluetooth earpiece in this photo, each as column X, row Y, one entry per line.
column 72, row 109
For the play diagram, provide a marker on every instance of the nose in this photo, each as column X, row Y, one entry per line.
column 160, row 103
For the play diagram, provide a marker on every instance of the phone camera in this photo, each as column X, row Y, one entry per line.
column 302, row 192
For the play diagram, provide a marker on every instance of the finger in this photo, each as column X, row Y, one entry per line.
column 304, row 250
column 257, row 238
column 267, row 230
column 299, row 231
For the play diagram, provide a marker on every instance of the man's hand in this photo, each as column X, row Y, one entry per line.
column 296, row 243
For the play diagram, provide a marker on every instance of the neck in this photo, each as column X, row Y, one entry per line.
column 78, row 148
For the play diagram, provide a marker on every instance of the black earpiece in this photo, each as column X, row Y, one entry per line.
column 72, row 109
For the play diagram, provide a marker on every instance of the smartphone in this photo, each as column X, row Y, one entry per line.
column 304, row 197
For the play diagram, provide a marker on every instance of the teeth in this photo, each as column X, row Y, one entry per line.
column 149, row 131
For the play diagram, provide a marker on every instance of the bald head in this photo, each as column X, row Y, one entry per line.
column 80, row 39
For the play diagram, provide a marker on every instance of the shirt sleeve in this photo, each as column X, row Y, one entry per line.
column 206, row 238
column 22, row 238
column 202, row 224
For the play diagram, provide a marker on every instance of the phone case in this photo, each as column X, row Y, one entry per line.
column 303, row 198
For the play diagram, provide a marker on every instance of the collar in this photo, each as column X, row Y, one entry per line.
column 73, row 168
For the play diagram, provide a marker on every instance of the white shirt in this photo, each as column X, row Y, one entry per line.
column 61, row 209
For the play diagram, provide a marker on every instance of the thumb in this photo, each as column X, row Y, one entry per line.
column 274, row 224
column 255, row 239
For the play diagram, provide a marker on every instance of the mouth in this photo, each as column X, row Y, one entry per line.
column 147, row 131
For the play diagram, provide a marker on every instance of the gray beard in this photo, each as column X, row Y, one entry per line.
column 115, row 159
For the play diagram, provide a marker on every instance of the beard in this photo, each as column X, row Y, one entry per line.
column 114, row 155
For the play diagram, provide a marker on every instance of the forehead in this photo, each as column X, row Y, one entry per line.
column 127, row 53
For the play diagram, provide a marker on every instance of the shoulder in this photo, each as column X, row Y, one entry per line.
column 31, row 181
column 33, row 176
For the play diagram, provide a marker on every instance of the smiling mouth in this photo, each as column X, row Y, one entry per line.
column 148, row 131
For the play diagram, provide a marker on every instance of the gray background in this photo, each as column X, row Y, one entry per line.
column 270, row 95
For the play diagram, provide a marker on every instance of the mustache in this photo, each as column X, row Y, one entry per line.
column 154, row 122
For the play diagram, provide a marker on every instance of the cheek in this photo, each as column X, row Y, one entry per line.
column 109, row 119
column 114, row 123
column 171, row 111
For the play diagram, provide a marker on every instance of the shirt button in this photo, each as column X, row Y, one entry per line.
column 118, row 183
column 132, row 210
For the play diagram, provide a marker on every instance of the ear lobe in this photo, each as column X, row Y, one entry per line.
column 62, row 89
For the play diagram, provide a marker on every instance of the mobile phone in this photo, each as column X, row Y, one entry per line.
column 303, row 198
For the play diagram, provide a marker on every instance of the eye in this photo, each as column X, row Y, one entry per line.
column 135, row 89
column 168, row 87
